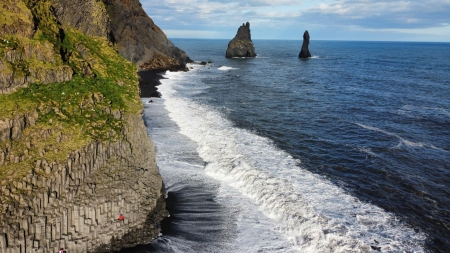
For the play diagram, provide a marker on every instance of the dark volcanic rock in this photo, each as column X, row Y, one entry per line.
column 304, row 53
column 241, row 45
column 140, row 40
column 126, row 25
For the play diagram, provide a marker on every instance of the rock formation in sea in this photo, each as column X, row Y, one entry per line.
column 304, row 53
column 241, row 45
column 74, row 151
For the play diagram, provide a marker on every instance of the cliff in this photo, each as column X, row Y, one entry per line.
column 140, row 40
column 74, row 152
column 128, row 27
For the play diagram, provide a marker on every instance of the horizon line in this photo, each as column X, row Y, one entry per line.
column 340, row 40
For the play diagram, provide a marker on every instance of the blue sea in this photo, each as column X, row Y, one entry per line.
column 348, row 151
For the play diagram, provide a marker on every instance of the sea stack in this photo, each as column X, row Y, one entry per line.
column 304, row 53
column 241, row 45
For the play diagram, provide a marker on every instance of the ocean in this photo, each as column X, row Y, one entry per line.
column 348, row 151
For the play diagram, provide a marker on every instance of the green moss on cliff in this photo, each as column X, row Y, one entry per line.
column 12, row 13
column 49, row 141
column 71, row 113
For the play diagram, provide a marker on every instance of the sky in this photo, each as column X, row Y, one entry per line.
column 369, row 20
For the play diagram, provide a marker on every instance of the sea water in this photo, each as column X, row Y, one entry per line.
column 348, row 151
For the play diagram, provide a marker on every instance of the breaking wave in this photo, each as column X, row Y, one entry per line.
column 314, row 214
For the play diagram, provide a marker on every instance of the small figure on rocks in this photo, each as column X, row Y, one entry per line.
column 61, row 250
column 121, row 217
column 304, row 53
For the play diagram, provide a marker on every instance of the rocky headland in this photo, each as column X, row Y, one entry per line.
column 74, row 151
column 241, row 45
column 304, row 52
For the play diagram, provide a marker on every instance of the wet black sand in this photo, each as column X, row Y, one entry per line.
column 148, row 82
column 197, row 223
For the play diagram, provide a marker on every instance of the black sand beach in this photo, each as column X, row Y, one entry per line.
column 197, row 223
column 148, row 80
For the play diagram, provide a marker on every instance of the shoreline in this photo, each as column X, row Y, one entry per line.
column 148, row 82
column 186, row 199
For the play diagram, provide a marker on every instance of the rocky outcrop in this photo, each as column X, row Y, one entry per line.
column 304, row 53
column 161, row 62
column 127, row 26
column 241, row 45
column 16, row 70
column 16, row 19
column 75, row 204
column 89, row 16
column 22, row 61
column 140, row 40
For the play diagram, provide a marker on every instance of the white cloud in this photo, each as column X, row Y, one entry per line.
column 193, row 34
column 384, row 14
column 225, row 16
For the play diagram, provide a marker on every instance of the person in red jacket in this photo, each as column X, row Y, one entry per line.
column 121, row 217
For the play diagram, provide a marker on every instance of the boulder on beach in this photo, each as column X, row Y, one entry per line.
column 304, row 53
column 241, row 45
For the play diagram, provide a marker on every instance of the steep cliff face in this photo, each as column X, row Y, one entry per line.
column 74, row 152
column 74, row 204
column 140, row 40
column 127, row 25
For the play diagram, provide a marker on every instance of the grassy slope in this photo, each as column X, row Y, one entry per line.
column 71, row 113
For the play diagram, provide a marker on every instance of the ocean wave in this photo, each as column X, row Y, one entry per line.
column 226, row 68
column 313, row 213
column 402, row 141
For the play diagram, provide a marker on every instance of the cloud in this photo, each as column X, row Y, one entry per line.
column 193, row 34
column 224, row 16
column 382, row 14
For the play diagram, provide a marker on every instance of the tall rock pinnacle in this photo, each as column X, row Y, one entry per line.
column 304, row 53
column 241, row 45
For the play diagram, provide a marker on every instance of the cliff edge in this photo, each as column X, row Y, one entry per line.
column 74, row 151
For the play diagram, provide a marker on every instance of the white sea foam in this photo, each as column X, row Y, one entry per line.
column 367, row 151
column 180, row 168
column 402, row 141
column 226, row 68
column 314, row 214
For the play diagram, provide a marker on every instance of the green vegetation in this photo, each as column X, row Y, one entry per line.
column 72, row 113
column 83, row 102
column 12, row 13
